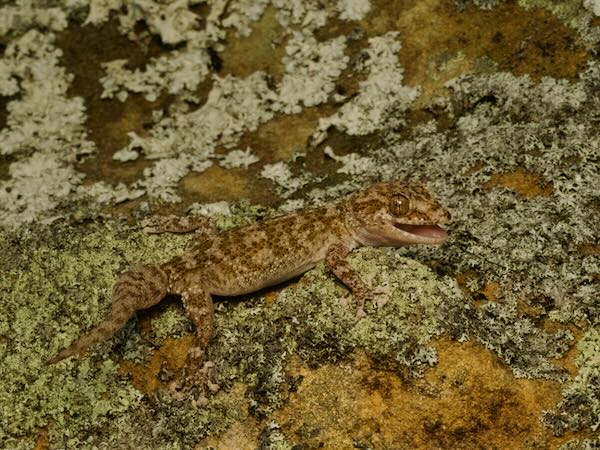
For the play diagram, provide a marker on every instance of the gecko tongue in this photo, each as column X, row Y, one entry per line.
column 430, row 231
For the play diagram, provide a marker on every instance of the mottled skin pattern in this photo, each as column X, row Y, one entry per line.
column 266, row 253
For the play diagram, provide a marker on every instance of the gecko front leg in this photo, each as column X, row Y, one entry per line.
column 336, row 260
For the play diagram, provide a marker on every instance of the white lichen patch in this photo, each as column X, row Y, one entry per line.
column 353, row 9
column 593, row 6
column 126, row 154
column 26, row 14
column 179, row 73
column 239, row 158
column 161, row 180
column 311, row 71
column 100, row 10
column 37, row 184
column 309, row 14
column 214, row 209
column 174, row 21
column 182, row 69
column 234, row 106
column 103, row 193
column 286, row 183
column 242, row 13
column 382, row 99
column 42, row 117
column 44, row 130
column 353, row 163
column 187, row 140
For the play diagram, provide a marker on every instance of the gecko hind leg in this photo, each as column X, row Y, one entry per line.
column 199, row 307
column 137, row 288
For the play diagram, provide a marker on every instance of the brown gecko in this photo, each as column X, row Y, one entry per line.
column 266, row 253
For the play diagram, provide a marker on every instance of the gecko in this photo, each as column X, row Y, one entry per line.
column 268, row 252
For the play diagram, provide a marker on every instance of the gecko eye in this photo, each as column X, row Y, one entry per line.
column 400, row 205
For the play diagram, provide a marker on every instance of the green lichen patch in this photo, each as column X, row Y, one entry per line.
column 579, row 408
column 55, row 282
column 273, row 439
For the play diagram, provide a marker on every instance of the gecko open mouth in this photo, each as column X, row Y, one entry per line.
column 427, row 231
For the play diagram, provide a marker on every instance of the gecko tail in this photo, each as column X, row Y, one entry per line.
column 138, row 288
column 104, row 330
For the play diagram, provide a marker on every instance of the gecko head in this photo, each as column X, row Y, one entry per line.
column 396, row 214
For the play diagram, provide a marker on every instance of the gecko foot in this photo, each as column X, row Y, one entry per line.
column 194, row 383
column 378, row 295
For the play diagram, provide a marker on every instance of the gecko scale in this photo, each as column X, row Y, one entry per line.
column 266, row 253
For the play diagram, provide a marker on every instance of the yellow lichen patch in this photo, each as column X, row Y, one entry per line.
column 490, row 290
column 271, row 297
column 522, row 182
column 172, row 354
column 476, row 393
column 464, row 279
column 42, row 440
column 439, row 42
column 568, row 360
column 469, row 400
